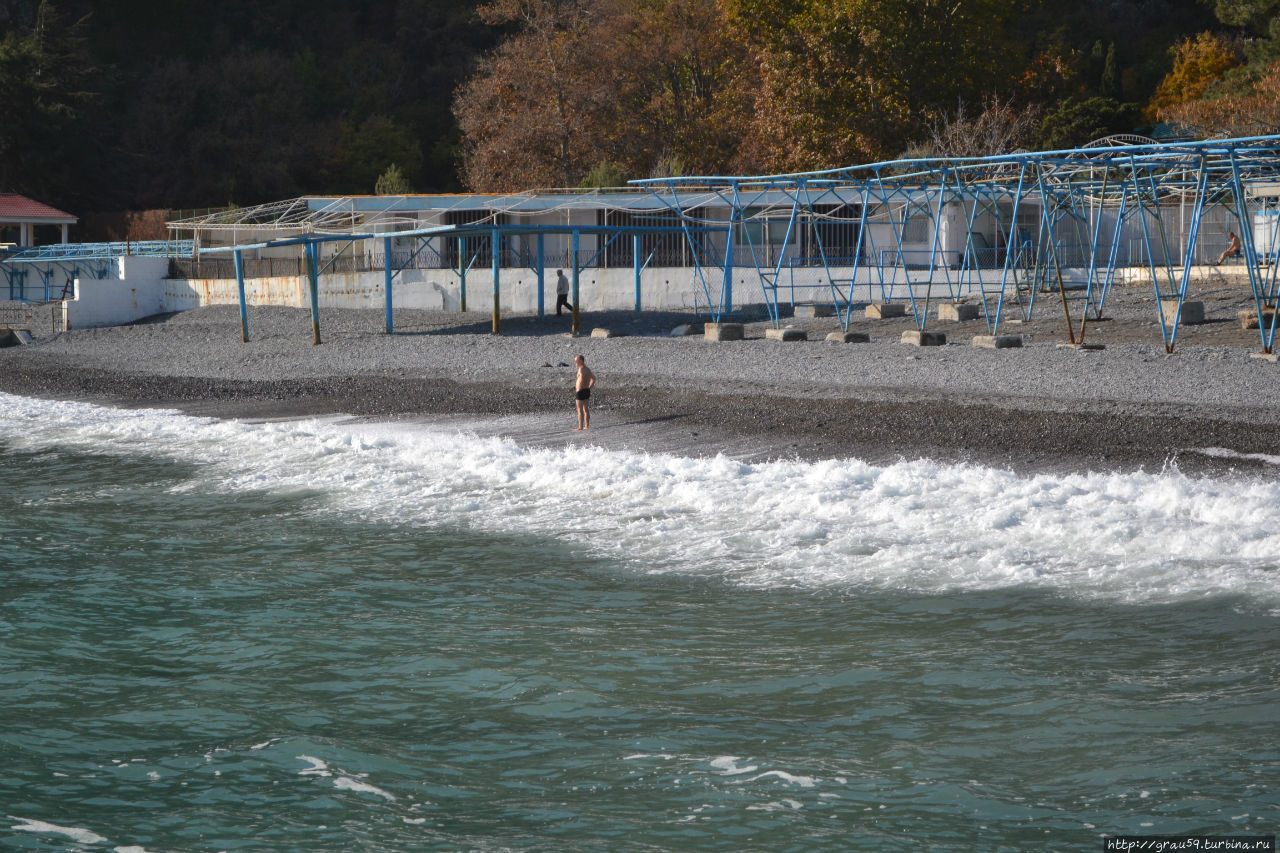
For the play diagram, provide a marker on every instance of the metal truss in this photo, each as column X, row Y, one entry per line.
column 71, row 261
column 1003, row 229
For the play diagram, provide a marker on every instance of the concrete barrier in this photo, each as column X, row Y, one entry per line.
column 1192, row 312
column 921, row 338
column 997, row 341
column 885, row 310
column 957, row 311
column 724, row 332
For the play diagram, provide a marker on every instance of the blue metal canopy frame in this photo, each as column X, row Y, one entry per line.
column 75, row 259
column 1051, row 210
column 494, row 234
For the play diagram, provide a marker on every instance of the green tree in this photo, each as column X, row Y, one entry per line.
column 602, row 175
column 45, row 94
column 392, row 182
column 1077, row 121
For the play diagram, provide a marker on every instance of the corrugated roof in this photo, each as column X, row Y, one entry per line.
column 19, row 208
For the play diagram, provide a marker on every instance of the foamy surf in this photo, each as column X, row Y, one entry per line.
column 920, row 525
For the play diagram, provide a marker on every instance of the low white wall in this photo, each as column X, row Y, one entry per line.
column 136, row 293
column 435, row 290
column 142, row 290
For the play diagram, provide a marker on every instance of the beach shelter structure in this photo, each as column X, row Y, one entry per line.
column 1005, row 227
column 20, row 216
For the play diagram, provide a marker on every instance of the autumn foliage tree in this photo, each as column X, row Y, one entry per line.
column 1198, row 64
column 637, row 83
column 1252, row 109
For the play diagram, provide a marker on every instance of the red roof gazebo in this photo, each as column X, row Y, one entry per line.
column 27, row 214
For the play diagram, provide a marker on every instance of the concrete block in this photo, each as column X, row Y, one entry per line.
column 723, row 332
column 997, row 341
column 1192, row 312
column 1266, row 356
column 885, row 310
column 684, row 330
column 599, row 332
column 957, row 311
column 924, row 339
column 849, row 338
column 786, row 334
column 809, row 311
column 1084, row 347
column 1249, row 319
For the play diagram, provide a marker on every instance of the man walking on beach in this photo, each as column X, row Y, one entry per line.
column 562, row 292
column 582, row 386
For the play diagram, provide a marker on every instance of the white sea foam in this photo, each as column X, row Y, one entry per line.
column 75, row 833
column 348, row 783
column 342, row 781
column 1224, row 453
column 920, row 525
column 788, row 778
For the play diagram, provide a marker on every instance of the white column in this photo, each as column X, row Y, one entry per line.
column 66, row 230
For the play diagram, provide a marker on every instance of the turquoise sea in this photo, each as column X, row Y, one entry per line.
column 332, row 635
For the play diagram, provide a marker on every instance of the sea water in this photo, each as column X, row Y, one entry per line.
column 338, row 635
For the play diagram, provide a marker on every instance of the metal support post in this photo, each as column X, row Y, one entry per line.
column 462, row 273
column 635, row 263
column 495, row 244
column 576, row 234
column 726, row 293
column 542, row 255
column 386, row 277
column 244, row 310
column 313, row 280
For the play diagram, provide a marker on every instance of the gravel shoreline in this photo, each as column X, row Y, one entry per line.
column 1038, row 408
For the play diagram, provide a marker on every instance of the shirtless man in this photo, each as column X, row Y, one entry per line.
column 1233, row 247
column 582, row 386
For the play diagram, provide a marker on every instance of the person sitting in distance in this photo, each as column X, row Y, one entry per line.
column 1233, row 247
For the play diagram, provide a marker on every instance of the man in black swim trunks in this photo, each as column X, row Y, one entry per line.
column 582, row 386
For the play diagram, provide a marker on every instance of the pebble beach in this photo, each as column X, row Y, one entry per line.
column 1207, row 408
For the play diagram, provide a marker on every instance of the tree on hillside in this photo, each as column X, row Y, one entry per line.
column 1252, row 109
column 999, row 128
column 1198, row 64
column 847, row 82
column 527, row 113
column 45, row 91
column 635, row 82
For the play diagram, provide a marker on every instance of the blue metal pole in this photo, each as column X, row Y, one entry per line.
column 244, row 310
column 726, row 292
column 386, row 278
column 313, row 277
column 576, row 276
column 542, row 256
column 463, row 266
column 636, row 265
column 494, row 249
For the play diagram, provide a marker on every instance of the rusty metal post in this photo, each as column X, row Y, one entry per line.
column 313, row 279
column 244, row 311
